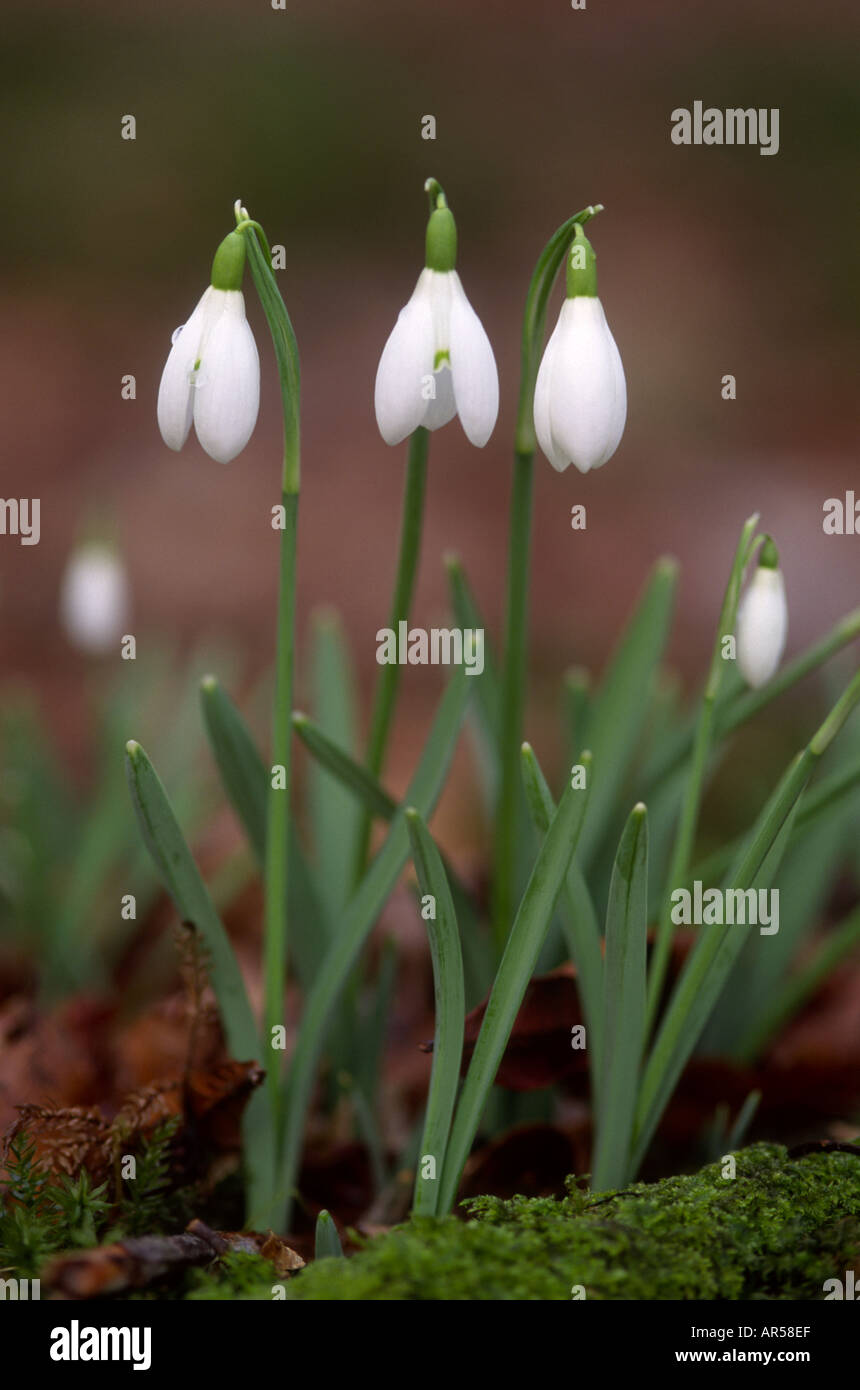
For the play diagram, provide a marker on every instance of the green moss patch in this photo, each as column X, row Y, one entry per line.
column 776, row 1230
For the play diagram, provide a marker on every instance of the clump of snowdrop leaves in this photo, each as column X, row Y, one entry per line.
column 580, row 402
column 94, row 598
column 212, row 375
column 762, row 620
column 437, row 362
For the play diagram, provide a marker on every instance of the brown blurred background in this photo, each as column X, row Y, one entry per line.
column 712, row 260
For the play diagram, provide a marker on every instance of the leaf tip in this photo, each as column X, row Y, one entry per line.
column 667, row 566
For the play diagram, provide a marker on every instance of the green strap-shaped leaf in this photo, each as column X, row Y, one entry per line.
column 365, row 787
column 710, row 963
column 181, row 878
column 578, row 918
column 822, row 804
column 326, row 1238
column 744, row 704
column 625, row 985
column 239, row 763
column 358, row 920
column 349, row 773
column 695, row 780
column 522, row 949
column 620, row 706
column 335, row 818
column 488, row 698
column 444, row 937
column 246, row 783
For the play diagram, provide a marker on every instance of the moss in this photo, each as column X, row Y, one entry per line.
column 239, row 1275
column 777, row 1231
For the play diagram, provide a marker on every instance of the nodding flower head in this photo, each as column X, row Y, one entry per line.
column 437, row 362
column 212, row 375
column 762, row 620
column 580, row 403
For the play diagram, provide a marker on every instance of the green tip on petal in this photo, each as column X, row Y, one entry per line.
column 229, row 264
column 581, row 266
column 769, row 557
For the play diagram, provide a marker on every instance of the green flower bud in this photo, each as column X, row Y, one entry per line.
column 581, row 267
column 769, row 556
column 441, row 231
column 229, row 263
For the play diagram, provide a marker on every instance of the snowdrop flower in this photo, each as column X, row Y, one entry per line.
column 762, row 620
column 212, row 375
column 94, row 598
column 580, row 403
column 437, row 362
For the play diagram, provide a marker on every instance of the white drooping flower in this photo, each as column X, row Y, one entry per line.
column 94, row 598
column 437, row 362
column 762, row 622
column 580, row 402
column 212, row 375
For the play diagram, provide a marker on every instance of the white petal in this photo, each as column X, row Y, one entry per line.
column 620, row 419
column 227, row 384
column 442, row 407
column 473, row 368
column 405, row 367
column 587, row 395
column 175, row 391
column 541, row 406
column 94, row 599
column 762, row 626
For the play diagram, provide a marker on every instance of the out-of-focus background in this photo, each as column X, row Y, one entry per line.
column 712, row 260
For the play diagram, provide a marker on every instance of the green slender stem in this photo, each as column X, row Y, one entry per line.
column 513, row 698
column 736, row 710
column 624, row 981
column 401, row 603
column 443, row 932
column 686, row 832
column 519, row 959
column 358, row 920
column 513, row 674
column 276, row 925
column 579, row 920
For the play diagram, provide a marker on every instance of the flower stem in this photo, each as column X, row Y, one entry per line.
column 513, row 673
column 276, row 925
column 401, row 603
column 513, row 696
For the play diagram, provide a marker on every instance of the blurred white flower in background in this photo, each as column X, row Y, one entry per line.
column 94, row 598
